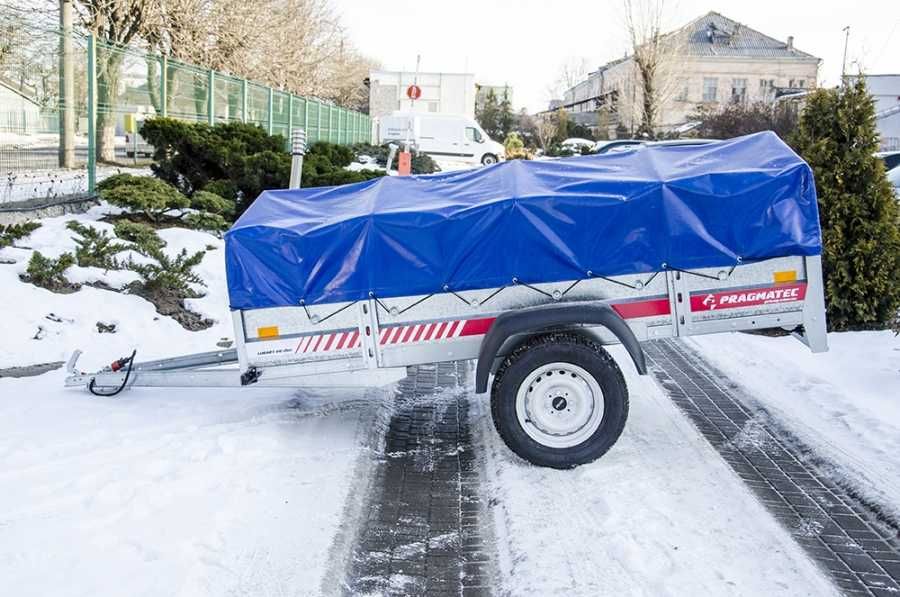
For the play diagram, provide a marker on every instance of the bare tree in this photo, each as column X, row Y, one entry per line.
column 546, row 128
column 115, row 24
column 571, row 72
column 655, row 56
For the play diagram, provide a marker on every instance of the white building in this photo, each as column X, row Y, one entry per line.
column 885, row 90
column 717, row 61
column 18, row 112
column 443, row 93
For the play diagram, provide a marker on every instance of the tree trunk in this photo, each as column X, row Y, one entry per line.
column 109, row 64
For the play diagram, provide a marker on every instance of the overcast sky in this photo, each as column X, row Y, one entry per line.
column 524, row 42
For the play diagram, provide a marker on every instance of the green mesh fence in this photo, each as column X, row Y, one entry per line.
column 113, row 88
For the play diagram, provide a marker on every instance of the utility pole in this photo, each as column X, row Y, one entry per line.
column 66, row 88
column 846, row 31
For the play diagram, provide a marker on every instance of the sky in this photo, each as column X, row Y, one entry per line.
column 525, row 43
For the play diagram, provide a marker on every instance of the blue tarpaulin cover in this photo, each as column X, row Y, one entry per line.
column 689, row 207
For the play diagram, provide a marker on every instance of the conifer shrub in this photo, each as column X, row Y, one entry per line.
column 95, row 248
column 857, row 208
column 50, row 273
column 12, row 233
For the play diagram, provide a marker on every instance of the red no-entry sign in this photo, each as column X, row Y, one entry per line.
column 413, row 92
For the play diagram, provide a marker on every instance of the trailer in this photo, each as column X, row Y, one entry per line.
column 528, row 268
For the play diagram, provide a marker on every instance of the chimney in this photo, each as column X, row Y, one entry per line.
column 790, row 42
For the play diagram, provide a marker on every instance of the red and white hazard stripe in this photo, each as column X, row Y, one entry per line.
column 329, row 342
column 434, row 331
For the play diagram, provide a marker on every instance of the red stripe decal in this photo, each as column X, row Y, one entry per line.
column 309, row 344
column 409, row 331
column 384, row 333
column 451, row 329
column 477, row 327
column 329, row 343
column 440, row 331
column 642, row 308
column 735, row 299
column 351, row 341
column 420, row 332
column 395, row 339
column 316, row 347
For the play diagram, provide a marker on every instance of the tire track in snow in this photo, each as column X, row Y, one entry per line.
column 856, row 541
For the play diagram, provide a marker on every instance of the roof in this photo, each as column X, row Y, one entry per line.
column 17, row 90
column 716, row 35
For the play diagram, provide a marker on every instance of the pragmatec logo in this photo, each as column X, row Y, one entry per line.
column 709, row 301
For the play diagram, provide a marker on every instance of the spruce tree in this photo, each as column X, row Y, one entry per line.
column 857, row 208
column 489, row 114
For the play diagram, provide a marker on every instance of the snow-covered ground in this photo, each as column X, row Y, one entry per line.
column 161, row 492
column 845, row 403
column 245, row 492
column 659, row 515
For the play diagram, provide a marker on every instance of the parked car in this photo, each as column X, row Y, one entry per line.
column 575, row 144
column 629, row 144
column 135, row 144
column 894, row 176
column 442, row 135
column 678, row 142
column 891, row 159
column 616, row 145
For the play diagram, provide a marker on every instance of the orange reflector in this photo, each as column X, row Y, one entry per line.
column 267, row 332
column 785, row 276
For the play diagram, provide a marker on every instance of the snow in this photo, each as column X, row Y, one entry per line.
column 138, row 324
column 660, row 514
column 844, row 402
column 252, row 491
column 162, row 492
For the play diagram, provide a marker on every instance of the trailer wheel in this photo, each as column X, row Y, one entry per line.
column 488, row 159
column 559, row 400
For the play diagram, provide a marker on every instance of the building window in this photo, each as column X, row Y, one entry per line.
column 682, row 94
column 709, row 89
column 739, row 90
column 766, row 88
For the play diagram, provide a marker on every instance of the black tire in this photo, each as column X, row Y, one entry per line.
column 566, row 348
column 489, row 159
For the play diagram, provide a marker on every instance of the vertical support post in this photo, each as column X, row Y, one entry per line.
column 92, row 113
column 244, row 117
column 164, row 87
column 330, row 124
column 306, row 114
column 211, row 97
column 319, row 122
column 66, row 107
column 271, row 107
column 290, row 116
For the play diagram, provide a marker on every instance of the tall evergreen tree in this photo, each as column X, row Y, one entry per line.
column 488, row 116
column 857, row 207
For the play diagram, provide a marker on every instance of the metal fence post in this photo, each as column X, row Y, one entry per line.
column 244, row 117
column 330, row 124
column 164, row 87
column 306, row 115
column 92, row 113
column 271, row 106
column 290, row 130
column 319, row 122
column 211, row 97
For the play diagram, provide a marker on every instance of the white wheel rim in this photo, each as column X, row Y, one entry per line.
column 559, row 405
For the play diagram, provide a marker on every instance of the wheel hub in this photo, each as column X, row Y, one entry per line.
column 559, row 405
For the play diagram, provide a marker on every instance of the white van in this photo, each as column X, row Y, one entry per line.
column 441, row 135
